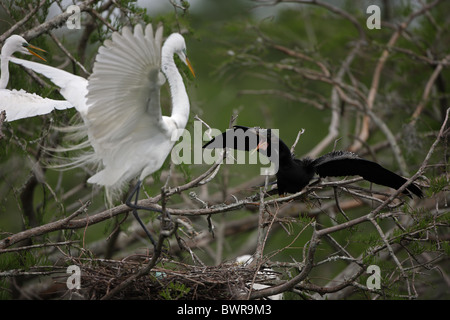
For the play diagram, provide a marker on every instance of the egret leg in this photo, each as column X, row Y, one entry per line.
column 135, row 207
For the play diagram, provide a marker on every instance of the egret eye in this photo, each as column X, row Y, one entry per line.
column 25, row 44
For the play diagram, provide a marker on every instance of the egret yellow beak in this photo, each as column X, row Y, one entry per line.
column 29, row 47
column 190, row 67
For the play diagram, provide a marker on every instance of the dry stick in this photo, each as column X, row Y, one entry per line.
column 302, row 56
column 382, row 126
column 428, row 87
column 338, row 206
column 284, row 95
column 392, row 141
column 99, row 16
column 262, row 239
column 34, row 246
column 250, row 223
column 68, row 54
column 197, row 181
column 336, row 94
column 56, row 21
column 297, row 139
column 259, row 252
column 37, row 231
column 207, row 132
column 263, row 231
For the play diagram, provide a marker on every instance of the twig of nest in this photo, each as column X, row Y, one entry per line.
column 173, row 281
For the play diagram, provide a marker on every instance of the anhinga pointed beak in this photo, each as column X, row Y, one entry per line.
column 29, row 47
column 263, row 145
column 190, row 67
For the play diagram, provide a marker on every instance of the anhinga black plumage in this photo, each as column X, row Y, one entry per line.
column 295, row 174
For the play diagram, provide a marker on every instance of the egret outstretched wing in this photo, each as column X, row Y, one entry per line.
column 124, row 84
column 73, row 87
column 19, row 104
column 126, row 127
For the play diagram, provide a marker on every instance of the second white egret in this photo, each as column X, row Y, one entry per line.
column 19, row 104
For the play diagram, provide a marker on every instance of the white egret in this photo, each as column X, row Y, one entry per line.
column 121, row 106
column 20, row 104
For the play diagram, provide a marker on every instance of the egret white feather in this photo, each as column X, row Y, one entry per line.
column 126, row 126
column 20, row 104
column 72, row 87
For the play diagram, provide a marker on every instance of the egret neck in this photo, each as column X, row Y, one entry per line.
column 179, row 97
column 4, row 77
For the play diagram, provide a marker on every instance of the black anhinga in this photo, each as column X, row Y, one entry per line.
column 295, row 174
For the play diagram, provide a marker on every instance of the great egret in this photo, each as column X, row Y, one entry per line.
column 295, row 174
column 120, row 105
column 20, row 104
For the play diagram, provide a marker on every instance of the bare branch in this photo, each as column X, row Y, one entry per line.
column 364, row 133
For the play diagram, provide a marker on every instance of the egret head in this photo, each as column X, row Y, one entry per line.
column 16, row 43
column 178, row 45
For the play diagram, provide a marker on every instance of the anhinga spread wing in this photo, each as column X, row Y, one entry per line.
column 344, row 163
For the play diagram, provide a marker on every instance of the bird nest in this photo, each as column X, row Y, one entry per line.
column 172, row 281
